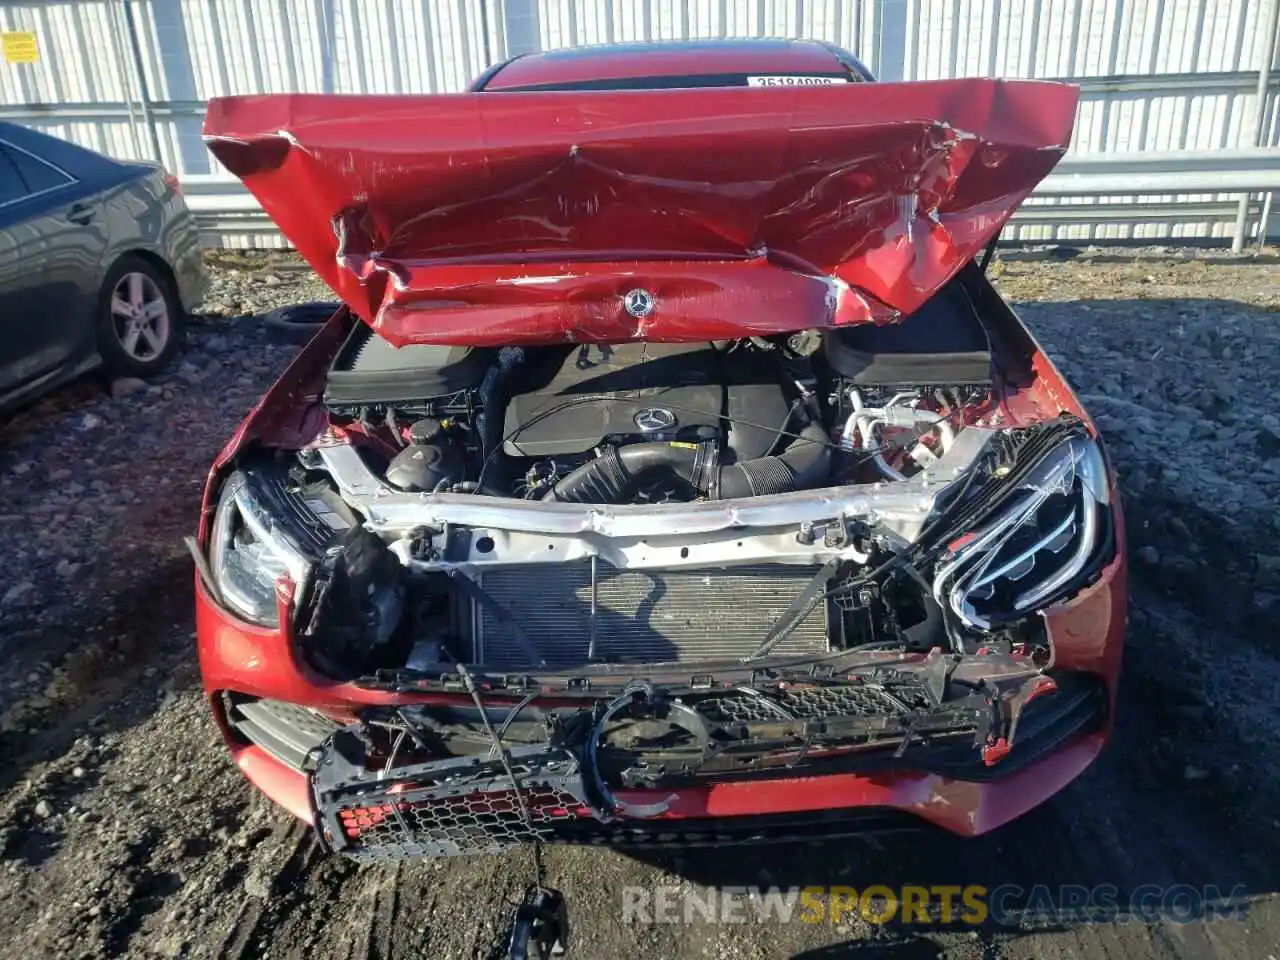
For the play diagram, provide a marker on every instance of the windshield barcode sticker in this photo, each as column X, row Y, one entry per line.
column 786, row 81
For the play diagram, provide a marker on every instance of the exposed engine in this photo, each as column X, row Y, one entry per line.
column 643, row 422
column 655, row 423
column 422, row 527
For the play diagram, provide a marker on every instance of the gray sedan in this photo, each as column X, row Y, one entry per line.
column 99, row 262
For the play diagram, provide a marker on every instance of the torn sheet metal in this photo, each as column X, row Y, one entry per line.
column 528, row 217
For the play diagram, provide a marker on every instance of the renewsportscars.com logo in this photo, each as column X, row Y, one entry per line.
column 1006, row 905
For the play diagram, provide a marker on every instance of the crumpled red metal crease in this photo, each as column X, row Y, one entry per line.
column 527, row 217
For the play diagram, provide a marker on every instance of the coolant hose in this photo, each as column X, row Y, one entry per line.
column 805, row 463
column 615, row 476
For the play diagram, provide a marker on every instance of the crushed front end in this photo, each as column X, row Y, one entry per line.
column 458, row 673
column 644, row 492
column 373, row 800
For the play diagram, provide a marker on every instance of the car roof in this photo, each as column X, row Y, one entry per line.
column 80, row 162
column 583, row 67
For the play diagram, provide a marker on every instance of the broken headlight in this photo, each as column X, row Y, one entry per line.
column 249, row 552
column 1039, row 546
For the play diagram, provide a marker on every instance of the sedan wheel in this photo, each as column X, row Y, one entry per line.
column 140, row 316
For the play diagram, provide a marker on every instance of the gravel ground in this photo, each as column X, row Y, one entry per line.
column 124, row 831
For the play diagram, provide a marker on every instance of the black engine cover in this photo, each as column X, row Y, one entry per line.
column 655, row 391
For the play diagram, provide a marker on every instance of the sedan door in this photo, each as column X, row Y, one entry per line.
column 50, row 267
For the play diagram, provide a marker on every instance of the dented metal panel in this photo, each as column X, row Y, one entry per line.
column 1184, row 69
column 528, row 217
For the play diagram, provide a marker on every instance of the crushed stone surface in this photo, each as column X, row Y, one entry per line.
column 125, row 831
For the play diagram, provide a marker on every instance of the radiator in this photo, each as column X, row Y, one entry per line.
column 643, row 616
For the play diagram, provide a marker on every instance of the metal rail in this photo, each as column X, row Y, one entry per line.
column 1241, row 181
column 1184, row 171
column 1152, row 179
column 1259, row 118
column 1234, row 81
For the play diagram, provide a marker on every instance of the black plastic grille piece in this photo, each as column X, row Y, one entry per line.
column 487, row 831
column 467, row 805
column 442, row 808
column 739, row 708
column 811, row 703
column 1078, row 706
column 814, row 703
column 811, row 826
column 482, row 822
column 285, row 730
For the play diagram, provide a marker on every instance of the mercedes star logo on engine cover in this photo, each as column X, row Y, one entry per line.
column 638, row 302
column 653, row 419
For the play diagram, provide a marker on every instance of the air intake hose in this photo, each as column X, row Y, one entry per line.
column 615, row 476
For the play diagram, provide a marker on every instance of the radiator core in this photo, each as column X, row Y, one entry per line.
column 643, row 616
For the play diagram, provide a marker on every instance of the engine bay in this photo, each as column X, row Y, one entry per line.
column 644, row 422
column 433, row 522
column 559, row 582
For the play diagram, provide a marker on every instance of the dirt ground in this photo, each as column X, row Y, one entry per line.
column 125, row 831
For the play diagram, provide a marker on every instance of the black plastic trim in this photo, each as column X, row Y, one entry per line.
column 287, row 731
column 811, row 826
column 692, row 81
column 479, row 84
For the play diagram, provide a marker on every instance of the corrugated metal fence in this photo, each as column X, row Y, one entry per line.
column 1157, row 75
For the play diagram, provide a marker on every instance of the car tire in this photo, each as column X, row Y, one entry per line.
column 140, row 319
column 299, row 322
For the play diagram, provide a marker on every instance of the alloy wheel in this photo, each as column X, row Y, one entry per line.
column 140, row 315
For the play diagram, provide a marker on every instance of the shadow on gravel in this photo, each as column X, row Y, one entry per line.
column 884, row 948
column 35, row 414
column 147, row 887
column 103, row 650
column 1042, row 871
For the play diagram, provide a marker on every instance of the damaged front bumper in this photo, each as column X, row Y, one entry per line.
column 766, row 746
column 623, row 772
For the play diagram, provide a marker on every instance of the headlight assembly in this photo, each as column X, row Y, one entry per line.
column 249, row 551
column 1040, row 544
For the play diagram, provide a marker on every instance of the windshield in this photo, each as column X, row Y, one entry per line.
column 671, row 82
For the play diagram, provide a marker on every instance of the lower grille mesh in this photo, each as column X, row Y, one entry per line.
column 482, row 822
column 649, row 616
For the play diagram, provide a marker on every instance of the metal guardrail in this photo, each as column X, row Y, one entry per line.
column 225, row 206
column 1174, row 84
column 1254, row 170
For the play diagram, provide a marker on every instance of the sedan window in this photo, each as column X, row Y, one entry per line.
column 12, row 186
column 38, row 175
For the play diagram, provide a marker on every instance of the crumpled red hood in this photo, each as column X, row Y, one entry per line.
column 503, row 218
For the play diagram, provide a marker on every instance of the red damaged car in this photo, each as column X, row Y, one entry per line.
column 671, row 473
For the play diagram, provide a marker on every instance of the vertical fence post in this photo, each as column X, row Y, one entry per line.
column 484, row 34
column 327, row 18
column 891, row 43
column 1259, row 113
column 144, row 95
column 1264, row 218
column 122, row 71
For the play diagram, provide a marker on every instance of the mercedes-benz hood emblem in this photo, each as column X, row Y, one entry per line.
column 638, row 302
column 653, row 419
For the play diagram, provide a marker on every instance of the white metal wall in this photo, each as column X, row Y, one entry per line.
column 1156, row 74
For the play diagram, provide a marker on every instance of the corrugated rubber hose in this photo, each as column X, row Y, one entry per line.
column 616, row 475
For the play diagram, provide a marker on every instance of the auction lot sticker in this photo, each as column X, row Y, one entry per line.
column 20, row 47
column 792, row 81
